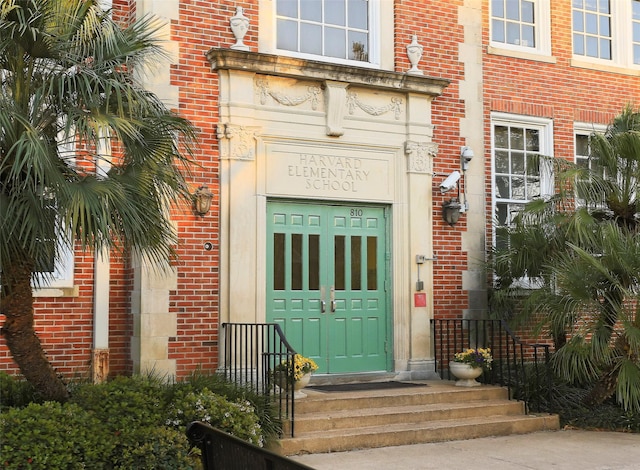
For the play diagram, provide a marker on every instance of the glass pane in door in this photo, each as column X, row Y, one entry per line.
column 339, row 262
column 356, row 265
column 278, row 261
column 372, row 263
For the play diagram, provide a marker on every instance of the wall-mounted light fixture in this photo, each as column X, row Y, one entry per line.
column 451, row 211
column 454, row 207
column 202, row 200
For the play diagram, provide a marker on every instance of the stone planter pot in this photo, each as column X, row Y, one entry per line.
column 300, row 384
column 466, row 374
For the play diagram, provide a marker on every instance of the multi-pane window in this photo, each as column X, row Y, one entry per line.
column 57, row 270
column 513, row 22
column 520, row 26
column 607, row 31
column 635, row 27
column 592, row 28
column 583, row 157
column 519, row 174
column 330, row 28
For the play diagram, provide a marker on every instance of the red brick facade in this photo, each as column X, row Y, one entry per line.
column 555, row 90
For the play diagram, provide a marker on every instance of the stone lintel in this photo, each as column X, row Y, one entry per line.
column 269, row 64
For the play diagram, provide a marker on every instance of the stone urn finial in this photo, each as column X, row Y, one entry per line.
column 414, row 52
column 239, row 27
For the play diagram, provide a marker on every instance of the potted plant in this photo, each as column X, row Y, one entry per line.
column 469, row 364
column 300, row 368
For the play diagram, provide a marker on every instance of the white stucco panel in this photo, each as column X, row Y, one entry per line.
column 341, row 172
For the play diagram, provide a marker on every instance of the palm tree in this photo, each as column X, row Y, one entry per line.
column 582, row 247
column 68, row 89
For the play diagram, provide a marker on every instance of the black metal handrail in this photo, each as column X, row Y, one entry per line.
column 253, row 353
column 222, row 451
column 524, row 368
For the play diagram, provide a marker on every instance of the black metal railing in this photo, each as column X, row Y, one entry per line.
column 523, row 368
column 222, row 451
column 257, row 356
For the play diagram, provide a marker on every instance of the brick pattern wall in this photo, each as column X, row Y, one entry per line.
column 200, row 27
column 520, row 86
column 437, row 28
column 559, row 91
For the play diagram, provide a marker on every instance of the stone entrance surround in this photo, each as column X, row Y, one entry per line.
column 299, row 129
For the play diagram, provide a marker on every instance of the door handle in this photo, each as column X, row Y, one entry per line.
column 323, row 306
column 333, row 299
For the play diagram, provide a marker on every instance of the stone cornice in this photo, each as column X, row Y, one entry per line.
column 268, row 64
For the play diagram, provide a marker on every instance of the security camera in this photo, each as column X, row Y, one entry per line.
column 450, row 182
column 466, row 154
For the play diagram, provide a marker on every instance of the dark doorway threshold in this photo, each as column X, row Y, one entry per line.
column 363, row 386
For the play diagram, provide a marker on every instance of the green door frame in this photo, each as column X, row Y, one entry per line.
column 328, row 268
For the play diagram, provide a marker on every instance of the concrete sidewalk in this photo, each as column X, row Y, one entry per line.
column 557, row 450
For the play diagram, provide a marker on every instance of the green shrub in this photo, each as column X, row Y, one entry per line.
column 126, row 423
column 153, row 448
column 264, row 407
column 236, row 418
column 124, row 403
column 51, row 436
column 15, row 392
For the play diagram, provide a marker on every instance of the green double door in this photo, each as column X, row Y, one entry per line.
column 327, row 283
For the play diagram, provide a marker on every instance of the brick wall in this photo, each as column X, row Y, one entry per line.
column 557, row 91
column 437, row 28
column 560, row 91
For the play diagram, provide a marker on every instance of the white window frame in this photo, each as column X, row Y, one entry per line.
column 64, row 264
column 621, row 41
column 636, row 43
column 584, row 129
column 62, row 275
column 542, row 25
column 545, row 126
column 380, row 32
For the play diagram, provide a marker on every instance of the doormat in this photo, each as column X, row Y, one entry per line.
column 358, row 387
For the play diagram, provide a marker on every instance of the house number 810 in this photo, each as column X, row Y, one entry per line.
column 356, row 212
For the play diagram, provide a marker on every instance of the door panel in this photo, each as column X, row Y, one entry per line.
column 328, row 266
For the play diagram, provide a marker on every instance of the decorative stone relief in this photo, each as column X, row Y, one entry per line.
column 395, row 106
column 414, row 52
column 421, row 155
column 313, row 94
column 239, row 26
column 237, row 142
column 336, row 97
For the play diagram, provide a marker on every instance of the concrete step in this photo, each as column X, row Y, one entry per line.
column 428, row 395
column 344, row 419
column 414, row 433
column 440, row 411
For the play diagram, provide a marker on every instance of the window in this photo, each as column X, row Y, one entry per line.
column 330, row 28
column 635, row 25
column 582, row 143
column 517, row 176
column 513, row 22
column 59, row 269
column 340, row 31
column 592, row 28
column 521, row 25
column 582, row 150
column 607, row 32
